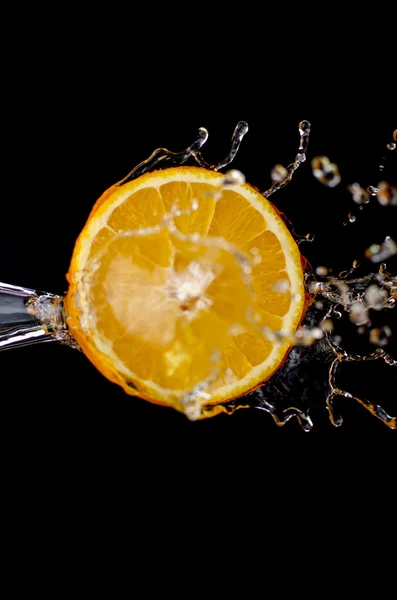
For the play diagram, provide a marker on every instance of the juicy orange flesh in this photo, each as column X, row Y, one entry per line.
column 175, row 311
column 169, row 306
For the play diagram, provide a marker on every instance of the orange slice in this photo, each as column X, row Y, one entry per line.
column 185, row 291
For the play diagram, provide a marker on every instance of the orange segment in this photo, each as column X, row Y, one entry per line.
column 195, row 201
column 175, row 284
column 266, row 252
column 254, row 346
column 236, row 220
column 273, row 291
column 145, row 209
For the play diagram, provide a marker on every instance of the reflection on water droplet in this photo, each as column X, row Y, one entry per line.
column 391, row 146
column 351, row 217
column 304, row 130
column 374, row 191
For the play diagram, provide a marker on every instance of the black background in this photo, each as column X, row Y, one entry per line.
column 77, row 121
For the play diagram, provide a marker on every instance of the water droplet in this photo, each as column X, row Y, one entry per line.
column 309, row 237
column 373, row 190
column 315, row 287
column 233, row 177
column 356, row 264
column 358, row 313
column 317, row 333
column 359, row 195
column 326, row 172
column 395, row 135
column 387, row 194
column 379, row 252
column 236, row 329
column 381, row 167
column 328, row 325
column 305, row 336
column 375, row 297
column 322, row 271
column 304, row 130
column 282, row 286
column 380, row 336
column 351, row 217
column 193, row 411
column 391, row 146
column 304, row 127
column 343, row 287
column 278, row 173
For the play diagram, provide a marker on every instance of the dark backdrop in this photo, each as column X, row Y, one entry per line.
column 98, row 487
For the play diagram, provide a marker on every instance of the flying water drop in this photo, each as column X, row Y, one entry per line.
column 326, row 172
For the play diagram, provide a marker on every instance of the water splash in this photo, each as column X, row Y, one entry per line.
column 28, row 317
column 310, row 373
column 163, row 158
column 293, row 390
column 282, row 175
